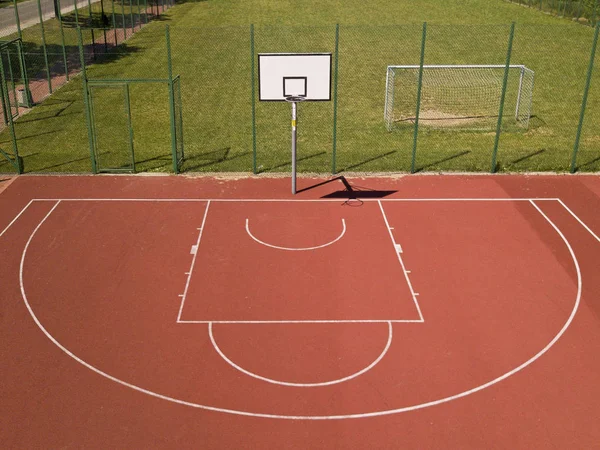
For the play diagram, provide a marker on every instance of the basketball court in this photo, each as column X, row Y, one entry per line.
column 421, row 311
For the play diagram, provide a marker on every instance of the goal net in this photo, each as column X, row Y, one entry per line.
column 458, row 96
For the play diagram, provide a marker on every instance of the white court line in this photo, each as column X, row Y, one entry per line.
column 579, row 220
column 16, row 217
column 299, row 417
column 299, row 248
column 451, row 199
column 398, row 254
column 286, row 383
column 189, row 273
column 303, row 321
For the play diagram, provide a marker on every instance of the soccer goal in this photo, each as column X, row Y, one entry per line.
column 458, row 96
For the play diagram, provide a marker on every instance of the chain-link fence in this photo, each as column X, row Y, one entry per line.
column 47, row 30
column 586, row 12
column 49, row 36
column 468, row 98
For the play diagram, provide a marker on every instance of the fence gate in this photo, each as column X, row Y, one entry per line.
column 112, row 131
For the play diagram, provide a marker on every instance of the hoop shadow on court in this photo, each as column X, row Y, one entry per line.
column 350, row 192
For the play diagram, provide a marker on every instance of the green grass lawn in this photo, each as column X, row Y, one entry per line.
column 211, row 52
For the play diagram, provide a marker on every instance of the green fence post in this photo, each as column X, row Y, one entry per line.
column 419, row 87
column 139, row 19
column 171, row 101
column 91, row 19
column 44, row 45
column 503, row 97
column 62, row 39
column 594, row 12
column 586, row 90
column 17, row 20
column 114, row 22
column 146, row 11
column 17, row 163
column 335, row 97
column 76, row 12
column 93, row 44
column 12, row 81
column 28, row 97
column 253, row 99
column 28, row 102
column 541, row 6
column 128, row 109
column 86, row 100
column 6, row 103
column 131, row 15
column 123, row 19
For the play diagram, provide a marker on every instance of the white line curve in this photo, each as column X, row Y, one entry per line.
column 286, row 383
column 306, row 417
column 297, row 249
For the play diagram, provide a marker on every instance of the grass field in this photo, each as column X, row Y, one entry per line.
column 211, row 52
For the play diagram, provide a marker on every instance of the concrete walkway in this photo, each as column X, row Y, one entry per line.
column 29, row 14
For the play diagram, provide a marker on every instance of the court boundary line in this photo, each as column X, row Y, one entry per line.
column 286, row 383
column 299, row 249
column 189, row 273
column 368, row 200
column 579, row 220
column 291, row 321
column 16, row 217
column 398, row 255
column 305, row 417
column 314, row 321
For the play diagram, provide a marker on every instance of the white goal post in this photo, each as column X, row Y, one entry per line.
column 458, row 96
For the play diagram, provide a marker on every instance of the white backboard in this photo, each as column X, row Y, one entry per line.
column 299, row 74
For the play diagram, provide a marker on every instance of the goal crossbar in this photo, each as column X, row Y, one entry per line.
column 461, row 66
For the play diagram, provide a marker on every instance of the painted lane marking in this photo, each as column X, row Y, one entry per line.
column 305, row 321
column 187, row 282
column 579, row 220
column 398, row 254
column 300, row 248
column 285, row 383
column 16, row 217
column 449, row 199
column 307, row 417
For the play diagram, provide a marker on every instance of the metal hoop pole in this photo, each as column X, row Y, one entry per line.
column 294, row 130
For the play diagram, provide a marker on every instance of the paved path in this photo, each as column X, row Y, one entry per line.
column 29, row 15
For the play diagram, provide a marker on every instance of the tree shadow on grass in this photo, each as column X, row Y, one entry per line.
column 20, row 138
column 54, row 166
column 210, row 158
column 155, row 163
column 366, row 161
column 440, row 161
column 42, row 113
column 527, row 156
column 587, row 164
column 287, row 163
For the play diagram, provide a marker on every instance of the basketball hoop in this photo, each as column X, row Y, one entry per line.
column 294, row 98
column 294, row 78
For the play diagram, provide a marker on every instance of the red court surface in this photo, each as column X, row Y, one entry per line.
column 406, row 312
